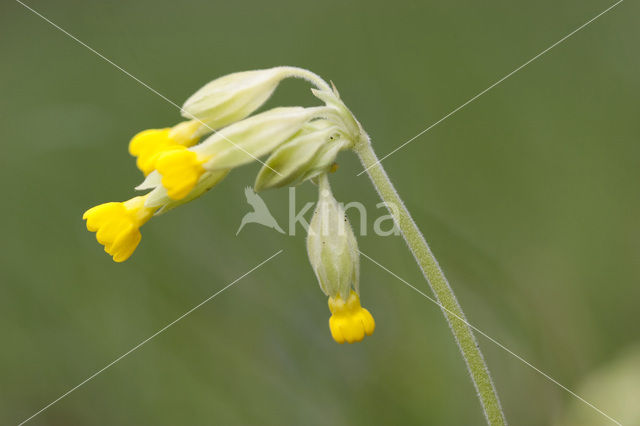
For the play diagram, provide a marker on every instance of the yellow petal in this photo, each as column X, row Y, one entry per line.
column 350, row 322
column 125, row 243
column 117, row 225
column 336, row 329
column 147, row 140
column 146, row 146
column 180, row 170
column 98, row 215
column 368, row 322
column 111, row 229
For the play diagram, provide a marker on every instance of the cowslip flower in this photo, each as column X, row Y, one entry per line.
column 300, row 144
column 334, row 256
column 117, row 225
column 149, row 144
column 223, row 101
column 221, row 132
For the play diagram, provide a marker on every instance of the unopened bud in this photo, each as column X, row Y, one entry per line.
column 233, row 97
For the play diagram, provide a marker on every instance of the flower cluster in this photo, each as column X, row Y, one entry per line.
column 221, row 132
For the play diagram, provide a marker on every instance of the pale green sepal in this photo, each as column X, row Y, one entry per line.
column 232, row 97
column 153, row 180
column 253, row 137
column 159, row 197
column 332, row 246
column 324, row 158
column 290, row 160
column 206, row 182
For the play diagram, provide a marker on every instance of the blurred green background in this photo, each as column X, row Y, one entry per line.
column 528, row 196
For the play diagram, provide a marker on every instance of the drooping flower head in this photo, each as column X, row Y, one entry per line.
column 221, row 132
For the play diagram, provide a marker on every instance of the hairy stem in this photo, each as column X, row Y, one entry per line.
column 435, row 277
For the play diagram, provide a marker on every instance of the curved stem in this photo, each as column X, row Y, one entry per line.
column 435, row 277
column 305, row 74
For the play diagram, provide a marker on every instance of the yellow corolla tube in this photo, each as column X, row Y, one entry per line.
column 349, row 321
column 117, row 225
column 147, row 145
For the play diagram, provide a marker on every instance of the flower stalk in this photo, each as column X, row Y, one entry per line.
column 445, row 296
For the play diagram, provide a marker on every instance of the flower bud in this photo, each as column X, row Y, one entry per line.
column 292, row 159
column 233, row 97
column 325, row 158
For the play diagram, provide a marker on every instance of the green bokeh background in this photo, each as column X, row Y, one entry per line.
column 528, row 196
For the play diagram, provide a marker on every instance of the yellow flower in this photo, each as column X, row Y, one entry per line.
column 117, row 225
column 349, row 321
column 180, row 169
column 148, row 144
